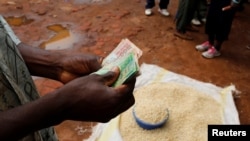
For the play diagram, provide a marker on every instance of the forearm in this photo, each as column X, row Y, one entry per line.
column 20, row 121
column 40, row 62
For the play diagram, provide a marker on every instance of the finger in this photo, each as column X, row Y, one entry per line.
column 111, row 76
column 123, row 106
column 100, row 59
column 125, row 95
column 128, row 104
column 96, row 66
column 132, row 78
column 66, row 77
column 126, row 89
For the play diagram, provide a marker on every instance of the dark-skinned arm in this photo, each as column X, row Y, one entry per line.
column 61, row 65
column 86, row 98
column 20, row 121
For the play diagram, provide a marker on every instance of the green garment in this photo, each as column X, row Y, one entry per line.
column 16, row 84
column 185, row 13
column 201, row 11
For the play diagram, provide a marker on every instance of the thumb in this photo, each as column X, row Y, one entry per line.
column 111, row 76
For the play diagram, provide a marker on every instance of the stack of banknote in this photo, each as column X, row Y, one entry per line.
column 125, row 56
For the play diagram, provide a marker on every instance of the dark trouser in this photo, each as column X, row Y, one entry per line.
column 185, row 14
column 217, row 44
column 219, row 23
column 163, row 4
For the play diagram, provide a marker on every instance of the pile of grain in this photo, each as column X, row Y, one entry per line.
column 151, row 110
column 190, row 111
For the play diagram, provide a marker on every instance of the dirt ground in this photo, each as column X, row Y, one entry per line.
column 97, row 26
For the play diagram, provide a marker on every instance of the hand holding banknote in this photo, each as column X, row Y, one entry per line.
column 125, row 56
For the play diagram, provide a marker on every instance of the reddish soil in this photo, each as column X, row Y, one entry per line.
column 99, row 27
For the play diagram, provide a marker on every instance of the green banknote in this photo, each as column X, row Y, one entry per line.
column 128, row 66
column 125, row 56
column 124, row 48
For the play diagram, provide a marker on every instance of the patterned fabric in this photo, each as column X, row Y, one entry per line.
column 16, row 84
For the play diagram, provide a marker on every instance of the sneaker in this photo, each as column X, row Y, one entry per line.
column 148, row 12
column 164, row 12
column 196, row 22
column 203, row 20
column 211, row 53
column 203, row 47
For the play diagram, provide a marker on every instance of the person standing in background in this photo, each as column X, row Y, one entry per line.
column 200, row 13
column 218, row 25
column 184, row 15
column 163, row 4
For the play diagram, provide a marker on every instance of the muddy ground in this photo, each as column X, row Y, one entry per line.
column 97, row 26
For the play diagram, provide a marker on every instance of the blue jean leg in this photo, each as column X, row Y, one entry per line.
column 150, row 4
column 163, row 4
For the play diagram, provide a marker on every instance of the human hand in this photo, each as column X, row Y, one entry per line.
column 87, row 98
column 91, row 98
column 74, row 65
column 235, row 3
column 61, row 65
column 232, row 6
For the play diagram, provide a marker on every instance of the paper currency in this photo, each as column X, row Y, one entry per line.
column 123, row 49
column 125, row 56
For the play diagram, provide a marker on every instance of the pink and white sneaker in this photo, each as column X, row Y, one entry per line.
column 211, row 53
column 203, row 47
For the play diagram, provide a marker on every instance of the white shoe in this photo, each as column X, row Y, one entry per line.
column 196, row 22
column 203, row 47
column 164, row 12
column 148, row 12
column 203, row 20
column 211, row 53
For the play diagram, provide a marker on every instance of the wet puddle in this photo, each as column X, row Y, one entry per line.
column 18, row 21
column 63, row 38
